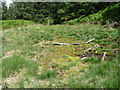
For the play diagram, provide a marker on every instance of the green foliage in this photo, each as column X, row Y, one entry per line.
column 64, row 12
column 14, row 23
column 92, row 18
column 111, row 13
column 103, row 16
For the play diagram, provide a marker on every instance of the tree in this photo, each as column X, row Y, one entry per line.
column 4, row 12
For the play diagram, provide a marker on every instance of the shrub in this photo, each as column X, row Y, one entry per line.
column 108, row 15
column 14, row 23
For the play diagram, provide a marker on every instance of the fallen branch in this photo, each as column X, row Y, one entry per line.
column 103, row 56
column 96, row 46
column 72, row 43
column 57, row 43
column 65, row 43
column 84, row 58
column 87, row 51
column 90, row 40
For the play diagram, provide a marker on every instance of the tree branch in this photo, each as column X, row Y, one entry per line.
column 103, row 56
column 90, row 40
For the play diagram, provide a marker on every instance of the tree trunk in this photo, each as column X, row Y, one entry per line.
column 48, row 20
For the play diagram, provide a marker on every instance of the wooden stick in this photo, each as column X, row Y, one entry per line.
column 65, row 43
column 57, row 43
column 103, row 56
column 96, row 46
column 72, row 43
column 87, row 51
column 90, row 40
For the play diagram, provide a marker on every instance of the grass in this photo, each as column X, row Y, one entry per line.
column 92, row 59
column 102, row 74
column 47, row 74
column 15, row 63
column 29, row 50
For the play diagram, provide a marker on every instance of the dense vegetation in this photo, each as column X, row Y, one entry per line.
column 108, row 15
column 14, row 23
column 61, row 12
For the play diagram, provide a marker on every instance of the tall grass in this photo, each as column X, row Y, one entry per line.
column 104, row 74
column 47, row 74
column 15, row 63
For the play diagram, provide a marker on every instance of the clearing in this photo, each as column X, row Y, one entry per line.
column 30, row 60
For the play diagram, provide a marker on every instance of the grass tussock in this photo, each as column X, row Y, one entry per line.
column 47, row 74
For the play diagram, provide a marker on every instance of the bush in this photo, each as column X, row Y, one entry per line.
column 14, row 23
column 108, row 15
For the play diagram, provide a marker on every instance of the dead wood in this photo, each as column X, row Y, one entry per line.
column 103, row 56
column 90, row 40
column 96, row 46
column 72, row 43
column 65, row 43
column 87, row 51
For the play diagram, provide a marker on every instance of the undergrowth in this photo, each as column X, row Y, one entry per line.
column 6, row 24
column 106, row 16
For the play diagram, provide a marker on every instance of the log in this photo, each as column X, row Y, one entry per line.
column 103, row 56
